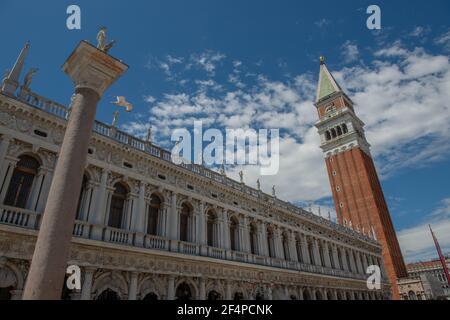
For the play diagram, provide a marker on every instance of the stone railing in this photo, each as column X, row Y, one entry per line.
column 27, row 219
column 18, row 217
column 111, row 132
column 156, row 242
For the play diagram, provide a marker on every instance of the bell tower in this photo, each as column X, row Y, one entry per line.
column 357, row 193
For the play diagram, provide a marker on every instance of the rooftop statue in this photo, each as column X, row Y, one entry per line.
column 29, row 77
column 101, row 40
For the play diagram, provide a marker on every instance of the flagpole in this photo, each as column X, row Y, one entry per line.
column 441, row 256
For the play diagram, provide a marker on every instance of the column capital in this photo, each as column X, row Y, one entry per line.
column 91, row 68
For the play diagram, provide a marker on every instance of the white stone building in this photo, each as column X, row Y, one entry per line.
column 149, row 229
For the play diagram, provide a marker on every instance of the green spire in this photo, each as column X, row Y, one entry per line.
column 327, row 84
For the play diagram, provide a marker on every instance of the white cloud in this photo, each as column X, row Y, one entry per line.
column 350, row 51
column 417, row 243
column 402, row 96
column 444, row 40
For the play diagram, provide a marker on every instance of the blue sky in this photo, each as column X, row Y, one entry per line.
column 255, row 64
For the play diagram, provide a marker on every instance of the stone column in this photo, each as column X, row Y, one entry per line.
column 263, row 232
column 202, row 291
column 173, row 217
column 5, row 142
column 335, row 256
column 292, row 247
column 228, row 291
column 316, row 253
column 132, row 292
column 171, row 287
column 97, row 216
column 92, row 71
column 305, row 251
column 225, row 229
column 138, row 219
column 326, row 254
column 87, row 284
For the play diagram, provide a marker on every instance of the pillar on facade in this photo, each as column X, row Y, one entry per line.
column 292, row 246
column 173, row 222
column 228, row 293
column 92, row 71
column 326, row 253
column 87, row 284
column 171, row 287
column 132, row 291
column 202, row 289
column 305, row 251
column 97, row 214
column 6, row 172
column 139, row 218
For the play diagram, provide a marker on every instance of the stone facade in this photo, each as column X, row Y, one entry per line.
column 147, row 228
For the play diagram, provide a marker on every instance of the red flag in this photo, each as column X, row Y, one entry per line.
column 441, row 256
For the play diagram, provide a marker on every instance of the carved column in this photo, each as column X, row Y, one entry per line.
column 292, row 246
column 138, row 221
column 173, row 222
column 171, row 287
column 87, row 284
column 92, row 71
column 97, row 216
column 305, row 251
column 132, row 292
column 202, row 291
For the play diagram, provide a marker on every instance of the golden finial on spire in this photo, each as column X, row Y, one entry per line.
column 322, row 59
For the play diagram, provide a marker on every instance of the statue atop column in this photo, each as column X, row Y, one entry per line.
column 241, row 176
column 115, row 119
column 273, row 191
column 258, row 184
column 101, row 41
column 149, row 135
column 29, row 77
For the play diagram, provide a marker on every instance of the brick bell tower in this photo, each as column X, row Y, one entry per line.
column 357, row 192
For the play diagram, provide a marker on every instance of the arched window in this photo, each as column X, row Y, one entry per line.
column 285, row 242
column 327, row 135
column 319, row 295
column 311, row 253
column 116, row 212
column 185, row 217
column 306, row 295
column 183, row 292
column 412, row 295
column 150, row 297
column 333, row 133
column 329, row 295
column 253, row 238
column 108, row 294
column 339, row 131
column 234, row 233
column 270, row 243
column 19, row 189
column 154, row 210
column 238, row 296
column 344, row 128
column 298, row 246
column 347, row 296
column 211, row 229
column 214, row 295
column 80, row 207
